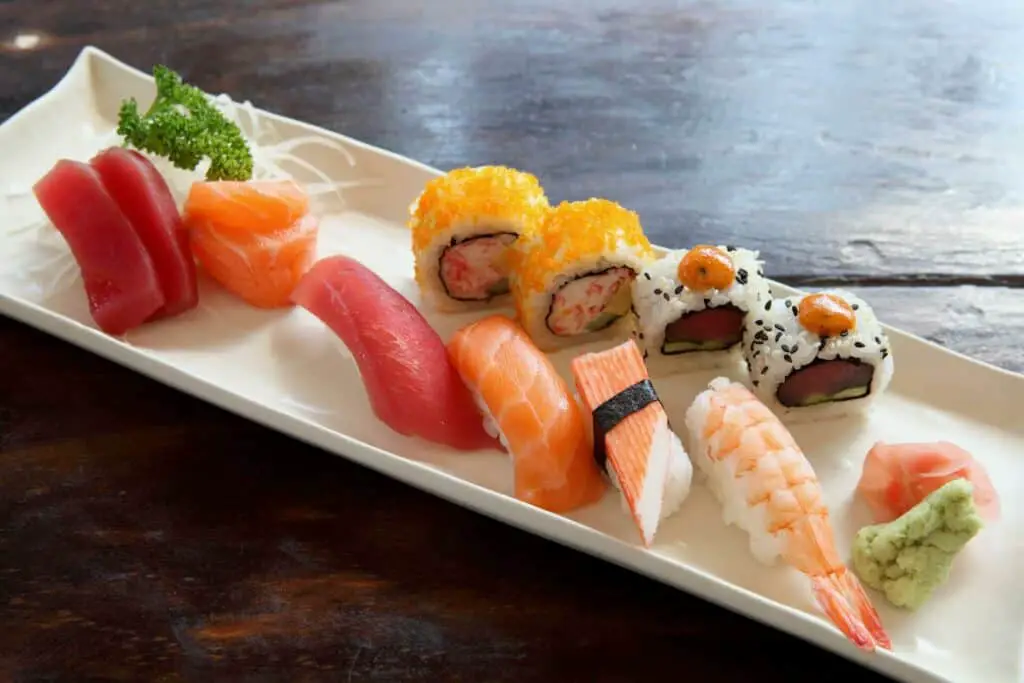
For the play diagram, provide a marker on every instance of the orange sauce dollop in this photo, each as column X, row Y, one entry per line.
column 705, row 267
column 826, row 315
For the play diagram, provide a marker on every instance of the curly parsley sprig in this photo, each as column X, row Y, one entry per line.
column 184, row 126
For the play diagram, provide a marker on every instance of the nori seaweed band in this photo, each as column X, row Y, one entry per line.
column 615, row 410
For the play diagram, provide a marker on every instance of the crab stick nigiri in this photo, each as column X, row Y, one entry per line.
column 402, row 361
column 256, row 238
column 633, row 441
column 529, row 405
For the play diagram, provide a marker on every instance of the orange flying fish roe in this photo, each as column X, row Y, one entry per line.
column 476, row 195
column 570, row 232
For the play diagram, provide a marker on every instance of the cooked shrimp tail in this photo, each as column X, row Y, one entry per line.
column 837, row 591
column 832, row 601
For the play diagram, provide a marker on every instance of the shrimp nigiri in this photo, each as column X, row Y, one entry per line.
column 768, row 488
column 528, row 404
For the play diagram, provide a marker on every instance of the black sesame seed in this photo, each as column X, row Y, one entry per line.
column 729, row 247
column 647, row 275
column 757, row 353
column 764, row 370
column 786, row 357
column 657, row 291
column 855, row 307
column 779, row 327
column 785, row 348
column 641, row 335
column 761, row 335
column 796, row 311
column 741, row 276
column 859, row 345
column 667, row 297
column 454, row 241
column 778, row 336
column 768, row 305
column 756, row 382
column 645, row 355
column 759, row 322
column 788, row 304
column 878, row 340
column 885, row 354
column 794, row 348
column 679, row 290
column 760, row 272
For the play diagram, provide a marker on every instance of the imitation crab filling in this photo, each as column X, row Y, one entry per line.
column 591, row 302
column 711, row 329
column 475, row 269
column 826, row 381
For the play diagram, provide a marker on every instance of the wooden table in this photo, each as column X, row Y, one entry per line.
column 149, row 537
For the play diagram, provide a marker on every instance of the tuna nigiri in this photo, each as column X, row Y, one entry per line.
column 256, row 238
column 412, row 385
column 146, row 201
column 768, row 488
column 633, row 441
column 896, row 477
column 121, row 283
column 528, row 404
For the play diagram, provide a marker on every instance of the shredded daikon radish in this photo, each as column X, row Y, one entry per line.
column 273, row 159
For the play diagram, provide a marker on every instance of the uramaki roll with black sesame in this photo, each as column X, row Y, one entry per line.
column 571, row 278
column 817, row 355
column 691, row 306
column 462, row 226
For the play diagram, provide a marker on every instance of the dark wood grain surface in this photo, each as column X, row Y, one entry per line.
column 147, row 536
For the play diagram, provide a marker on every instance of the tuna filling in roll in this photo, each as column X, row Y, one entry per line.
column 591, row 302
column 711, row 329
column 475, row 269
column 826, row 380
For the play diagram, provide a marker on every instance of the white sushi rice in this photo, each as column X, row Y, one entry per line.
column 659, row 299
column 535, row 309
column 667, row 484
column 720, row 477
column 786, row 347
column 428, row 261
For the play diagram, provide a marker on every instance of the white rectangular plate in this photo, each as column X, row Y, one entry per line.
column 285, row 370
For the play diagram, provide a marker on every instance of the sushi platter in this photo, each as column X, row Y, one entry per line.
column 784, row 454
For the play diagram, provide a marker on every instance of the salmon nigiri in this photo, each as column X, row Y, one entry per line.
column 529, row 405
column 256, row 238
column 633, row 441
column 896, row 477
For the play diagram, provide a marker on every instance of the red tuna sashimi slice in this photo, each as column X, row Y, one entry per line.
column 146, row 200
column 896, row 477
column 120, row 281
column 412, row 385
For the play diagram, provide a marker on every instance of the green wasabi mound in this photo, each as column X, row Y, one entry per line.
column 908, row 558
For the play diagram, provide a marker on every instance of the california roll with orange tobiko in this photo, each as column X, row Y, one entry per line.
column 571, row 279
column 462, row 225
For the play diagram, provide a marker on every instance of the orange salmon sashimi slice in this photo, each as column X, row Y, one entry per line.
column 255, row 238
column 528, row 402
column 633, row 441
